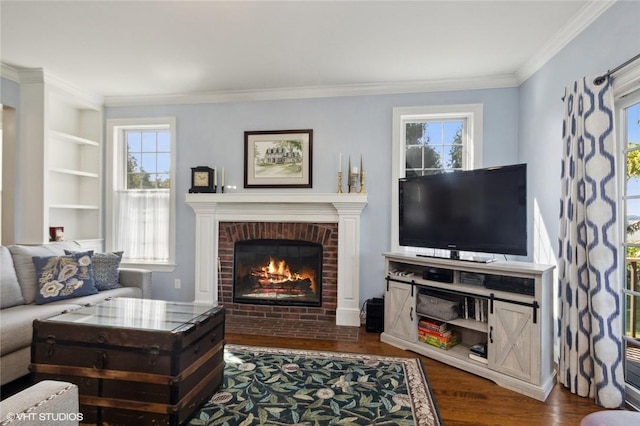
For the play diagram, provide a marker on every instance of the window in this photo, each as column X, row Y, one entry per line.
column 141, row 193
column 629, row 137
column 430, row 140
column 433, row 146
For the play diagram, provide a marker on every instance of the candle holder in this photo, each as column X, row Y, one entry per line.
column 353, row 179
column 362, row 190
column 339, row 182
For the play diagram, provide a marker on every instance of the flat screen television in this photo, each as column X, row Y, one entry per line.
column 481, row 210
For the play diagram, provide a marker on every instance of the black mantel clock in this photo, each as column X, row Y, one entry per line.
column 202, row 179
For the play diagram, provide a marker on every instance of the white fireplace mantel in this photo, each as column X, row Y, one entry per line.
column 344, row 209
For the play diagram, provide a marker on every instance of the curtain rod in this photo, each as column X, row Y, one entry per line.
column 599, row 80
column 603, row 77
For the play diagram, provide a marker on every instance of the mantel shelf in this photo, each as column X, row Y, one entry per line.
column 289, row 198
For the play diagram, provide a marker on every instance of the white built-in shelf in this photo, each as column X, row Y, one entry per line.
column 66, row 137
column 74, row 206
column 75, row 173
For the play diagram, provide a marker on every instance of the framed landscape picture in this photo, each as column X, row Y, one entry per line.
column 278, row 158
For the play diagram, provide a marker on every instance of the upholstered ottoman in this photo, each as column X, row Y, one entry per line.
column 611, row 418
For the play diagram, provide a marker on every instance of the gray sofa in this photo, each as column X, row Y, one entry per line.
column 18, row 307
column 47, row 402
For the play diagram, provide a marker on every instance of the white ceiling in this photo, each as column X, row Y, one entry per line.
column 142, row 48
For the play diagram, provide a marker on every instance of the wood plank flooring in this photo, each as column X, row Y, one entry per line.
column 462, row 398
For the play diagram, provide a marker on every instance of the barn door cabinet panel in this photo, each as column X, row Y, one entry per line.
column 506, row 305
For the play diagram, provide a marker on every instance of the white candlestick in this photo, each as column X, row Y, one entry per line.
column 215, row 177
column 354, row 170
column 340, row 163
column 223, row 177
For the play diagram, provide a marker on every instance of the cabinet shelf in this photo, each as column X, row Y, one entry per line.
column 66, row 137
column 75, row 173
column 518, row 328
column 74, row 206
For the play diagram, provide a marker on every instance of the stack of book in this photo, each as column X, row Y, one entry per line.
column 478, row 352
column 437, row 333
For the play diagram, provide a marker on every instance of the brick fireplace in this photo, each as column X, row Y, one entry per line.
column 221, row 216
column 323, row 234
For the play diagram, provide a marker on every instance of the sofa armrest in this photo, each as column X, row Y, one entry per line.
column 137, row 277
column 45, row 398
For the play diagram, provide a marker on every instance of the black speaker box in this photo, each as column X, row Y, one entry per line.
column 375, row 315
column 511, row 284
column 438, row 274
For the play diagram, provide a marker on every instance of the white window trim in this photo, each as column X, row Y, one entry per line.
column 625, row 85
column 114, row 180
column 473, row 113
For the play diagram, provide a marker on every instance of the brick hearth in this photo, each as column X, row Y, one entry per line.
column 320, row 233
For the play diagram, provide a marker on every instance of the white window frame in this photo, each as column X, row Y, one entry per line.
column 116, row 175
column 625, row 87
column 471, row 113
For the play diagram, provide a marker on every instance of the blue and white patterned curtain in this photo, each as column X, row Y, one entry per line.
column 590, row 311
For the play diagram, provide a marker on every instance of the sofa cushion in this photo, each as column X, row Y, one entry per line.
column 17, row 322
column 26, row 271
column 10, row 293
column 105, row 269
column 64, row 277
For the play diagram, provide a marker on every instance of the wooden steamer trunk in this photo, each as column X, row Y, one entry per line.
column 134, row 376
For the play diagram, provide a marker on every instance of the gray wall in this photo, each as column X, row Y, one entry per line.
column 213, row 134
column 608, row 42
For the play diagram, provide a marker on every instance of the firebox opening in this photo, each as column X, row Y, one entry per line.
column 277, row 272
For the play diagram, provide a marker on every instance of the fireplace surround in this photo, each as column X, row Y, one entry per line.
column 344, row 210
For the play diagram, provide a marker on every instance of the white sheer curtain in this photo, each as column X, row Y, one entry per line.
column 143, row 225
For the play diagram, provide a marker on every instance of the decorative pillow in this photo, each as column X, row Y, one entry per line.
column 23, row 262
column 105, row 270
column 64, row 277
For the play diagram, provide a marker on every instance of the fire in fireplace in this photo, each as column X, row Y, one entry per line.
column 277, row 271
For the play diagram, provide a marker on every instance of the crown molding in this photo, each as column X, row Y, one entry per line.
column 57, row 85
column 491, row 82
column 585, row 17
column 9, row 72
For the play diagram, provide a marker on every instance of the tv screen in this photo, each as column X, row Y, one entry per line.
column 482, row 210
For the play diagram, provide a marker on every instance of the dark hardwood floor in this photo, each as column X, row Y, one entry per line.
column 462, row 398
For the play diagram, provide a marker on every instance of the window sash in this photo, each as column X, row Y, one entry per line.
column 151, row 244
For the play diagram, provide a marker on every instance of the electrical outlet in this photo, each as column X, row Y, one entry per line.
column 177, row 284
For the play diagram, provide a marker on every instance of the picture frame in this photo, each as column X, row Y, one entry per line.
column 278, row 158
column 56, row 233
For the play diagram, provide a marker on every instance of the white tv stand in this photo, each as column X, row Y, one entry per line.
column 518, row 327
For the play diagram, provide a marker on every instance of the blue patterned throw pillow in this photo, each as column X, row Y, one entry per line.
column 64, row 277
column 105, row 270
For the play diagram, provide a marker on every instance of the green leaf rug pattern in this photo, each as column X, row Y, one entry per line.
column 273, row 386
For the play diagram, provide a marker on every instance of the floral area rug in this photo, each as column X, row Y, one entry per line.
column 272, row 386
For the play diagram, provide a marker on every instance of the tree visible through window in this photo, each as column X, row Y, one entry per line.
column 148, row 159
column 433, row 147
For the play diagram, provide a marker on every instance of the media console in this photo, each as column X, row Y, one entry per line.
column 514, row 317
